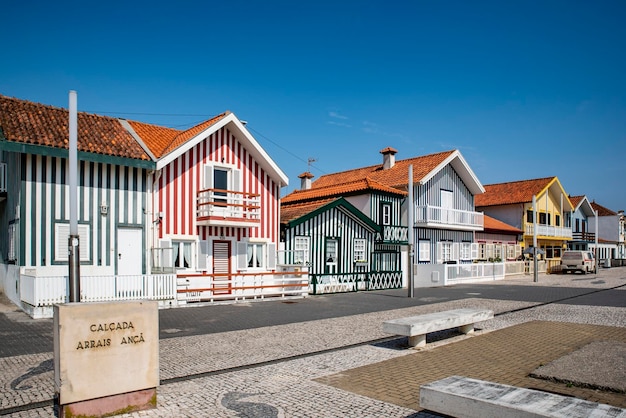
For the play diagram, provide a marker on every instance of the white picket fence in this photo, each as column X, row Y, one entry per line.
column 46, row 291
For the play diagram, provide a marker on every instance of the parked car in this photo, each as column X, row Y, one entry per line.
column 582, row 261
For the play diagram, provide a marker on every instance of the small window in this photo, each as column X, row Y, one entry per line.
column 360, row 250
column 557, row 220
column 301, row 250
column 385, row 213
column 255, row 255
column 529, row 216
column 62, row 234
column 466, row 251
column 446, row 251
column 542, row 218
column 423, row 253
column 182, row 255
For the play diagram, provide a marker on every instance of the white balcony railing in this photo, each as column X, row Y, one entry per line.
column 228, row 208
column 549, row 231
column 438, row 217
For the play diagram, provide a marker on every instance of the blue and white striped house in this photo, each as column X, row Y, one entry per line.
column 444, row 187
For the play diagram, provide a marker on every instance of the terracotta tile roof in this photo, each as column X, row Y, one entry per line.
column 37, row 124
column 396, row 176
column 576, row 200
column 291, row 212
column 494, row 225
column 602, row 211
column 342, row 189
column 513, row 192
column 161, row 140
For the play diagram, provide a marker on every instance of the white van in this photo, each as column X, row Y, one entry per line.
column 582, row 261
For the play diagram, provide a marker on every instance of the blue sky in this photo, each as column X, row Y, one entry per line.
column 524, row 89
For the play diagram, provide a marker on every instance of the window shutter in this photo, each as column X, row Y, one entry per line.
column 439, row 251
column 455, row 251
column 242, row 252
column 208, row 177
column 271, row 256
column 203, row 252
column 237, row 186
column 474, row 251
column 61, row 249
column 164, row 257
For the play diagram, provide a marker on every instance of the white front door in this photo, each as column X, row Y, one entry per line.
column 447, row 204
column 129, row 251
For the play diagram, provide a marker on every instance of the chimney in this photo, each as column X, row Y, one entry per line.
column 389, row 157
column 305, row 180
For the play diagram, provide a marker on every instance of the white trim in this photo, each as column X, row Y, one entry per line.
column 247, row 140
column 456, row 160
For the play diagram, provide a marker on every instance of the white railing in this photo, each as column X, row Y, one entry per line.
column 228, row 204
column 46, row 291
column 438, row 217
column 475, row 272
column 242, row 286
column 3, row 177
column 549, row 231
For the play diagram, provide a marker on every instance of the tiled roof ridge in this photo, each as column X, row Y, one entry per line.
column 180, row 137
column 57, row 108
column 379, row 166
column 549, row 178
column 602, row 209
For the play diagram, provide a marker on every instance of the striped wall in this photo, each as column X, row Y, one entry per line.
column 179, row 182
column 45, row 202
column 396, row 208
column 446, row 179
column 333, row 223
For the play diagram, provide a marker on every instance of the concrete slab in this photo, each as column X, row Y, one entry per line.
column 598, row 365
column 460, row 396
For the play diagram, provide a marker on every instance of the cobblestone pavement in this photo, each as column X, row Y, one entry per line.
column 346, row 366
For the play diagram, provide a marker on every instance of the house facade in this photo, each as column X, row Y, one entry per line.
column 512, row 203
column 350, row 232
column 582, row 235
column 611, row 232
column 198, row 208
column 34, row 217
column 498, row 241
column 443, row 189
column 215, row 204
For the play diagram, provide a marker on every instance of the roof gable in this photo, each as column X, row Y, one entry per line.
column 41, row 125
column 582, row 203
column 521, row 191
column 185, row 140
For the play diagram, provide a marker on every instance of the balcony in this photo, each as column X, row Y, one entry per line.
column 216, row 207
column 549, row 231
column 393, row 234
column 584, row 236
column 438, row 217
column 3, row 181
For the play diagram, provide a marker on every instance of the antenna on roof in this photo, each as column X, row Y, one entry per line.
column 311, row 161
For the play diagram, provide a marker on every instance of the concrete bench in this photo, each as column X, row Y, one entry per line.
column 459, row 396
column 416, row 327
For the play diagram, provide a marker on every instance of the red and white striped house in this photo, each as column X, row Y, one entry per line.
column 214, row 209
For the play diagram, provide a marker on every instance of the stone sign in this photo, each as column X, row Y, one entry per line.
column 105, row 349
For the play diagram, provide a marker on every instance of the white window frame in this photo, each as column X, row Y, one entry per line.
column 359, row 248
column 301, row 247
column 62, row 235
column 247, row 252
column 445, row 251
column 386, row 213
column 178, row 247
column 466, row 251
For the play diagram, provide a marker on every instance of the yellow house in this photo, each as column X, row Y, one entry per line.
column 512, row 203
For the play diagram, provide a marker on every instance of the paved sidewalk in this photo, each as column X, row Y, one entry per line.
column 269, row 371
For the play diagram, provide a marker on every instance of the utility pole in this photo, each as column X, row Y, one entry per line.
column 73, row 239
column 410, row 208
column 535, row 264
